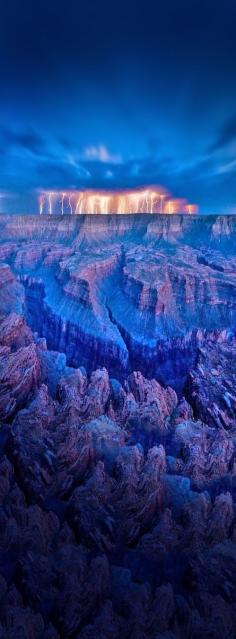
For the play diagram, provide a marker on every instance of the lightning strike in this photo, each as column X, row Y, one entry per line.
column 69, row 204
column 148, row 200
column 50, row 207
column 62, row 202
column 41, row 204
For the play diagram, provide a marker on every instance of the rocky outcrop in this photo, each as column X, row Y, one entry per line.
column 19, row 365
column 14, row 332
column 211, row 385
column 11, row 292
column 203, row 453
column 19, row 374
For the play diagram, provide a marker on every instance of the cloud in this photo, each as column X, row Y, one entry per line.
column 81, row 170
column 100, row 153
column 60, row 174
column 109, row 174
column 209, row 181
column 227, row 168
column 27, row 139
column 226, row 135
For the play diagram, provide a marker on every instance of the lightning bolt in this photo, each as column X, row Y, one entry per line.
column 69, row 204
column 149, row 200
column 78, row 204
column 62, row 202
column 50, row 196
column 162, row 198
column 41, row 204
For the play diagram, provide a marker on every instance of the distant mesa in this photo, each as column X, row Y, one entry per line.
column 151, row 199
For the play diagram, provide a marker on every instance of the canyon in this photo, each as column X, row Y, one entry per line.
column 118, row 427
column 123, row 291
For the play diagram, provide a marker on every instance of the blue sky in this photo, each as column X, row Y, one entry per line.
column 112, row 95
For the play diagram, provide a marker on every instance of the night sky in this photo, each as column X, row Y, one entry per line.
column 112, row 94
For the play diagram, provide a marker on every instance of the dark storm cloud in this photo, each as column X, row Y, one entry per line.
column 60, row 175
column 27, row 139
column 64, row 143
column 147, row 81
column 226, row 135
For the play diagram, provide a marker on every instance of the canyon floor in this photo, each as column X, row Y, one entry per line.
column 118, row 427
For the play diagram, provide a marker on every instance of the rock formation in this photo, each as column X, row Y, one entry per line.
column 128, row 292
column 117, row 481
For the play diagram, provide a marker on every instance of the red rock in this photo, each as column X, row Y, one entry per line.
column 19, row 376
column 206, row 453
column 211, row 385
column 14, row 332
column 11, row 292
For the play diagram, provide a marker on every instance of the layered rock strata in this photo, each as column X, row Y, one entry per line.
column 126, row 292
column 117, row 491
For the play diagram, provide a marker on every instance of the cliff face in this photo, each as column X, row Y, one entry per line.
column 117, row 488
column 123, row 290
